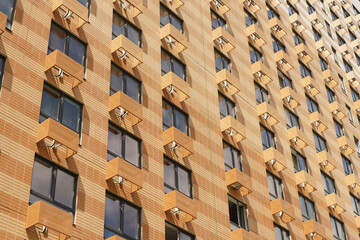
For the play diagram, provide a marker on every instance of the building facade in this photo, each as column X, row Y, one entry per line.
column 179, row 119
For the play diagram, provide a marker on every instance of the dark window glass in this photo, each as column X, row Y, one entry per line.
column 304, row 70
column 238, row 214
column 331, row 95
column 176, row 177
column 166, row 16
column 340, row 39
column 121, row 26
column 299, row 161
column 355, row 201
column 2, row 69
column 320, row 143
column 173, row 116
column 307, row 208
column 255, row 55
column 338, row 129
column 357, row 143
column 310, row 8
column 312, row 105
column 291, row 119
column 328, row 28
column 284, row 80
column 121, row 218
column 227, row 107
column 271, row 12
column 323, row 64
column 350, row 116
column 232, row 157
column 261, row 94
column 298, row 39
column 292, row 9
column 347, row 66
column 352, row 36
column 123, row 145
column 346, row 13
column 333, row 15
column 267, row 137
column 356, row 11
column 342, row 84
column 8, row 8
column 53, row 184
column 61, row 108
column 357, row 59
column 329, row 183
column 348, row 169
column 275, row 186
column 249, row 19
column 122, row 81
column 317, row 35
column 278, row 45
column 65, row 42
column 171, row 64
column 337, row 228
column 217, row 21
column 281, row 233
column 86, row 3
column 221, row 62
column 174, row 233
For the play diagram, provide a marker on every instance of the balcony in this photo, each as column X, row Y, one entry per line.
column 340, row 29
column 352, row 77
column 357, row 106
column 42, row 214
column 317, row 24
column 329, row 78
column 290, row 97
column 120, row 170
column 335, row 203
column 222, row 6
column 255, row 35
column 129, row 8
column 352, row 27
column 173, row 5
column 305, row 181
column 310, row 86
column 322, row 50
column 337, row 110
column 317, row 121
column 64, row 65
column 125, row 107
column 352, row 181
column 336, row 23
column 282, row 60
column 296, row 23
column 127, row 52
column 175, row 86
column 314, row 230
column 303, row 53
column 176, row 139
column 297, row 137
column 238, row 181
column 346, row 147
column 223, row 39
column 345, row 4
column 3, row 20
column 274, row 3
column 274, row 159
column 54, row 134
column 78, row 11
column 170, row 36
column 176, row 202
column 253, row 5
column 228, row 82
column 282, row 209
column 261, row 72
column 267, row 114
column 277, row 27
column 242, row 234
column 334, row 6
column 326, row 161
column 233, row 128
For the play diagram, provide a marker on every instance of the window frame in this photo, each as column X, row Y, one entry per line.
column 126, row 24
column 224, row 59
column 319, row 141
column 355, row 202
column 350, row 115
column 171, row 14
column 282, row 232
column 251, row 17
column 290, row 115
column 302, row 165
column 330, row 94
column 229, row 112
column 219, row 20
column 264, row 94
column 305, row 71
column 179, row 230
column 298, row 39
column 270, row 137
column 339, row 129
column 312, row 105
column 336, row 223
column 347, row 164
column 278, row 186
column 271, row 12
column 284, row 80
column 242, row 214
column 2, row 70
column 255, row 55
column 277, row 44
column 172, row 58
column 234, row 151
column 307, row 201
column 175, row 108
column 325, row 177
column 10, row 19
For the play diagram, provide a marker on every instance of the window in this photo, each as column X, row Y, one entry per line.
column 347, row 66
column 328, row 28
column 271, row 12
column 310, row 8
column 340, row 39
column 227, row 107
column 348, row 169
column 174, row 233
column 122, row 26
column 217, row 21
column 292, row 9
column 329, row 183
column 356, row 11
column 342, row 84
column 284, row 80
column 65, row 42
column 8, row 8
column 255, row 55
column 122, row 81
column 177, row 177
column 171, row 64
column 307, row 208
column 172, row 116
column 275, row 186
column 249, row 19
column 261, row 94
column 281, row 233
column 221, row 62
column 304, row 70
column 299, row 161
column 53, row 184
column 337, row 228
column 122, row 144
column 58, row 106
column 2, row 69
column 356, row 204
column 320, row 143
column 86, row 3
column 278, row 45
column 335, row 56
column 346, row 13
column 267, row 137
column 333, row 15
column 232, row 157
column 312, row 105
column 352, row 36
column 339, row 130
column 355, row 95
column 350, row 116
column 357, row 59
column 298, row 39
column 238, row 214
column 122, row 218
column 357, row 144
column 323, row 64
column 317, row 35
column 166, row 16
column 331, row 95
column 291, row 119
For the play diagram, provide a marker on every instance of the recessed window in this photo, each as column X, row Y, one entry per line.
column 227, row 107
column 307, row 208
column 122, row 81
column 249, row 19
column 284, row 80
column 299, row 161
column 298, row 39
column 172, row 116
column 333, row 15
column 121, row 26
column 339, row 129
column 349, row 113
column 177, row 177
column 317, row 34
column 261, row 94
column 312, row 105
column 347, row 66
column 124, row 145
column 172, row 233
column 338, row 228
column 2, row 69
column 352, row 36
column 275, row 187
column 267, row 138
column 291, row 119
column 255, row 55
column 340, row 39
column 122, row 218
column 335, row 56
column 238, row 214
column 310, row 8
column 331, row 95
column 292, row 9
column 60, row 107
column 328, row 28
column 65, row 42
column 271, row 12
column 356, row 205
column 221, row 62
column 278, row 45
column 323, row 64
column 328, row 183
column 171, row 64
column 320, row 143
column 346, row 13
column 348, row 169
column 357, row 143
column 217, row 21
column 53, row 184
column 232, row 157
column 8, row 8
column 167, row 16
column 357, row 59
column 304, row 70
column 342, row 84
column 356, row 11
column 281, row 233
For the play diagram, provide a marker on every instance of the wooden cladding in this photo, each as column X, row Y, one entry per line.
column 73, row 6
column 242, row 234
column 346, row 146
column 282, row 59
column 337, row 110
column 277, row 27
column 221, row 6
column 173, row 5
column 176, row 200
column 352, row 181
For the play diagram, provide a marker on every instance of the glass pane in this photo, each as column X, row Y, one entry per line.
column 279, row 189
column 6, row 7
column 64, row 188
column 183, row 236
column 41, row 178
column 71, row 115
column 114, row 142
column 214, row 21
column 131, row 221
column 296, row 163
column 134, row 35
column 84, row 2
column 231, row 109
column 169, row 174
column 333, row 227
column 170, row 232
column 218, row 62
column 167, row 115
column 132, row 150
column 310, row 210
column 56, row 39
column 233, row 212
column 228, row 157
column 133, row 88
column 118, row 26
column 50, row 103
column 278, row 234
column 165, row 63
column 181, row 122
column 77, row 50
column 264, row 138
column 179, row 69
column 164, row 17
column 116, row 80
column 184, row 181
column 177, row 23
column 303, row 208
column 271, row 187
column 112, row 213
column 222, row 105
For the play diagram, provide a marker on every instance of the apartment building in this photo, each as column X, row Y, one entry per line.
column 179, row 119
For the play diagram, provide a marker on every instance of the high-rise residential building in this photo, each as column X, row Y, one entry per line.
column 179, row 119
